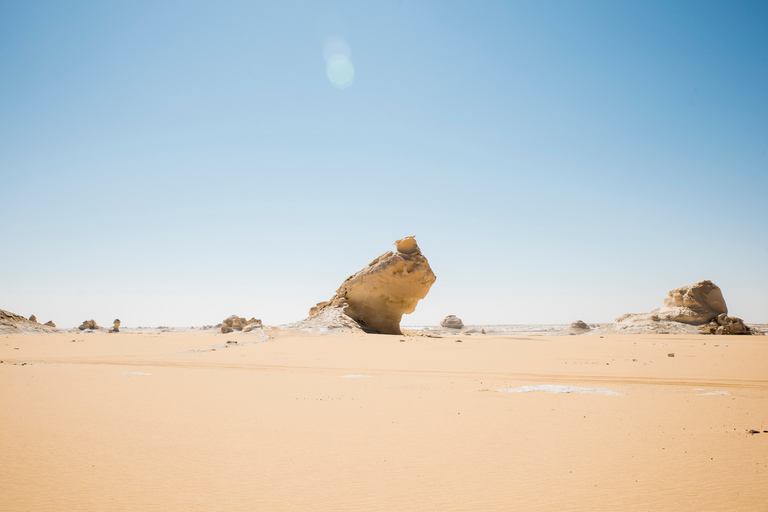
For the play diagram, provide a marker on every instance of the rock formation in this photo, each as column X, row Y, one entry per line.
column 452, row 322
column 578, row 325
column 115, row 326
column 376, row 297
column 238, row 323
column 50, row 323
column 725, row 324
column 11, row 323
column 686, row 310
column 33, row 318
column 697, row 303
column 89, row 324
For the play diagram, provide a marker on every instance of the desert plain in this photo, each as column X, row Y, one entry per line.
column 283, row 420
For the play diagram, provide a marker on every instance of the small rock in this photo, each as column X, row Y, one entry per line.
column 452, row 322
column 753, row 431
column 671, row 354
column 457, row 341
column 33, row 318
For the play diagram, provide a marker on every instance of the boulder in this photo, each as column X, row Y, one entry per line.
column 33, row 318
column 238, row 323
column 89, row 324
column 696, row 303
column 452, row 322
column 116, row 325
column 253, row 323
column 377, row 297
column 50, row 323
column 578, row 325
column 725, row 324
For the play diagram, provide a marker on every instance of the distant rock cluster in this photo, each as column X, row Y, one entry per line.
column 578, row 325
column 11, row 323
column 90, row 325
column 237, row 323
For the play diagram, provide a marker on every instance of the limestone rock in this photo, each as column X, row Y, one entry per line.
column 89, row 324
column 33, row 318
column 376, row 297
column 253, row 323
column 697, row 303
column 452, row 322
column 50, row 323
column 115, row 325
column 11, row 323
column 238, row 323
column 693, row 309
column 578, row 325
column 725, row 324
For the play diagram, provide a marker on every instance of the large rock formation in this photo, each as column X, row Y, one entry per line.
column 579, row 325
column 696, row 303
column 11, row 323
column 693, row 309
column 115, row 325
column 376, row 297
column 452, row 322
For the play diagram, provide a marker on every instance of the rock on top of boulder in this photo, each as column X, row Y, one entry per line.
column 377, row 296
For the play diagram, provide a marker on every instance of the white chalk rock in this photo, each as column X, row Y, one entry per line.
column 696, row 303
column 390, row 286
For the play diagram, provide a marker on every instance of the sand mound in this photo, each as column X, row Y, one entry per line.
column 11, row 323
column 376, row 297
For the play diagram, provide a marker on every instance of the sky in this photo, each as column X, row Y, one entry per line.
column 173, row 163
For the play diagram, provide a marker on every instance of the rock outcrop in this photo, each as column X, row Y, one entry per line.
column 238, row 323
column 89, row 324
column 452, row 322
column 725, row 324
column 50, row 323
column 11, row 323
column 377, row 297
column 697, row 303
column 33, row 318
column 578, row 325
column 693, row 309
column 115, row 326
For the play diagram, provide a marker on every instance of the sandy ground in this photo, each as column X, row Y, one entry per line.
column 370, row 422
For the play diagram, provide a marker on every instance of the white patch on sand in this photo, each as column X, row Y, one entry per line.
column 721, row 393
column 134, row 373
column 354, row 376
column 552, row 388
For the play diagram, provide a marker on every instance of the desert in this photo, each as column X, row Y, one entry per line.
column 295, row 420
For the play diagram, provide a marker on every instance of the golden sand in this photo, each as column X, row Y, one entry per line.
column 369, row 422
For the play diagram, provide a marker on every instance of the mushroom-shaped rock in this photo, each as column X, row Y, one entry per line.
column 33, row 318
column 89, row 324
column 452, row 322
column 380, row 294
column 696, row 303
column 579, row 325
column 116, row 325
column 50, row 323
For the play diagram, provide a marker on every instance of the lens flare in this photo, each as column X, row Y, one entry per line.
column 340, row 71
column 339, row 67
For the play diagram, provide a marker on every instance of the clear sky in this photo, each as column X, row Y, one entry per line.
column 172, row 163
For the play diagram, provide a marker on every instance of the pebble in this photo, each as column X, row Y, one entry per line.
column 671, row 354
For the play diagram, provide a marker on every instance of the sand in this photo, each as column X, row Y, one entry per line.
column 298, row 421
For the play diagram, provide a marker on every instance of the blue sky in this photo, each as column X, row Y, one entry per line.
column 176, row 162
